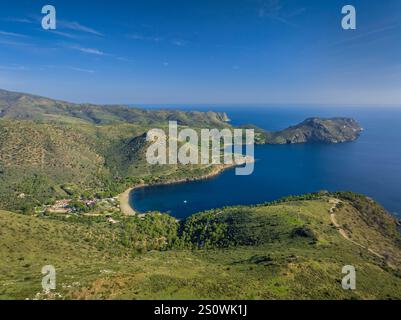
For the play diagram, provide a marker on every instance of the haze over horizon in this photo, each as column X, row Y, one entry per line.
column 204, row 52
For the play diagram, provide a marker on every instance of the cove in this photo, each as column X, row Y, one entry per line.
column 371, row 165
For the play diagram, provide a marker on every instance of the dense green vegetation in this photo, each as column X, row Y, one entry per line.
column 284, row 250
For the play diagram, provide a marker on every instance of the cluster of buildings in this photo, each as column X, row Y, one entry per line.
column 65, row 206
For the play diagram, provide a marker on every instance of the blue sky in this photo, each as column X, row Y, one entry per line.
column 203, row 51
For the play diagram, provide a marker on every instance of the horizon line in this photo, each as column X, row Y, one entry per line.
column 208, row 104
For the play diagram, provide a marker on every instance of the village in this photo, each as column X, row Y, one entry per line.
column 92, row 207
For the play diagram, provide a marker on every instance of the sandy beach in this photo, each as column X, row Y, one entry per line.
column 125, row 206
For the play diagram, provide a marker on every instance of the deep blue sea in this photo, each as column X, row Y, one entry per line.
column 370, row 165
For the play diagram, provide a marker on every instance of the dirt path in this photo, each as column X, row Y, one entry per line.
column 343, row 233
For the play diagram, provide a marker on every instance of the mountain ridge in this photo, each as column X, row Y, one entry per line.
column 23, row 106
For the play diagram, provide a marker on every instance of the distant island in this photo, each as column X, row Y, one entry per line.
column 315, row 130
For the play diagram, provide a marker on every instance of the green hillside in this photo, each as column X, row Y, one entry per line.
column 22, row 106
column 52, row 149
column 40, row 161
column 284, row 250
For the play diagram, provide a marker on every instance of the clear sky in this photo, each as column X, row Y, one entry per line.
column 203, row 51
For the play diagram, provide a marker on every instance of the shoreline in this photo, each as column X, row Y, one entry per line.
column 124, row 198
column 125, row 206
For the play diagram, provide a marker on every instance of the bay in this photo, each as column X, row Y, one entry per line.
column 371, row 165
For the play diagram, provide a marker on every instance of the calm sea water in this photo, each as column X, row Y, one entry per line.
column 371, row 165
